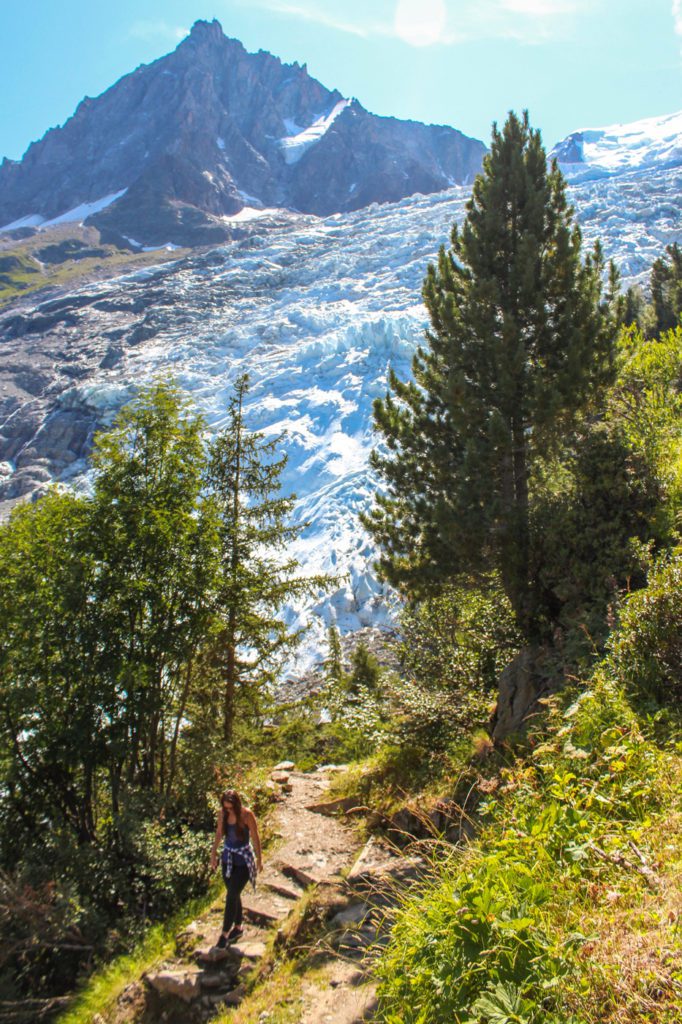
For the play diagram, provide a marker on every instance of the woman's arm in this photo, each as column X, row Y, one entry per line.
column 216, row 841
column 250, row 820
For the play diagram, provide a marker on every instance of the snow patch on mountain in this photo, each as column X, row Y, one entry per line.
column 298, row 140
column 76, row 215
column 249, row 213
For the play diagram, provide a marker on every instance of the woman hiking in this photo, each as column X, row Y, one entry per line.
column 238, row 829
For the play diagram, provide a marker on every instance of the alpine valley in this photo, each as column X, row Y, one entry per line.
column 218, row 211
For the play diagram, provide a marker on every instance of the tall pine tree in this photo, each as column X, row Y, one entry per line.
column 519, row 342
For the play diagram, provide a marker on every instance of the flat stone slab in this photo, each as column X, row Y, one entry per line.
column 286, row 891
column 377, row 863
column 266, row 913
column 332, row 807
column 353, row 914
column 284, row 766
column 250, row 950
column 213, row 955
column 281, row 777
column 212, row 980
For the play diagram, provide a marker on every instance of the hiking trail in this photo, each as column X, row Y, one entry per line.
column 350, row 884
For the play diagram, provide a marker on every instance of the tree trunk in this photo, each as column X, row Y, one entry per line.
column 521, row 685
column 176, row 731
column 230, row 681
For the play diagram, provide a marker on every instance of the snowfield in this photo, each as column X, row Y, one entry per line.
column 598, row 152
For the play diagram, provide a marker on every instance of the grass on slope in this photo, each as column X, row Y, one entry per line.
column 566, row 909
column 29, row 265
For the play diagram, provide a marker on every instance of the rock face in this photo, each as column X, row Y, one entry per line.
column 173, row 148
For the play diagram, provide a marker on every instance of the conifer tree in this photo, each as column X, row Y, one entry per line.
column 254, row 578
column 333, row 664
column 666, row 290
column 518, row 344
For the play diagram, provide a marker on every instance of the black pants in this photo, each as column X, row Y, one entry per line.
column 233, row 900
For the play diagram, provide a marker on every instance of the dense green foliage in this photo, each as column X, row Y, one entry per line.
column 646, row 653
column 116, row 612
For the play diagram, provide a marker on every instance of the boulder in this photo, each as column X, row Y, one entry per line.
column 184, row 984
column 235, row 997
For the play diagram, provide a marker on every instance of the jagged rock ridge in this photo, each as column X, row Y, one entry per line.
column 174, row 148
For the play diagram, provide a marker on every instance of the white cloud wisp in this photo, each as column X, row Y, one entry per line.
column 421, row 23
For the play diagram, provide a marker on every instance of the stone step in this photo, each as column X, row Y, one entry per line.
column 213, row 981
column 332, row 807
column 235, row 997
column 287, row 891
column 300, row 875
column 225, row 959
column 251, row 950
column 232, row 998
column 265, row 912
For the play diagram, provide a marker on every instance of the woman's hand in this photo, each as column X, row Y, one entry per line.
column 214, row 861
column 259, row 864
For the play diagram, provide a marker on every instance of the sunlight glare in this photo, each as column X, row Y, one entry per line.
column 420, row 22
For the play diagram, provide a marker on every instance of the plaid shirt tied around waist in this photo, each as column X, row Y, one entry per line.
column 245, row 850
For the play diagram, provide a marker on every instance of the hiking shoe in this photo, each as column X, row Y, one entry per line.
column 222, row 941
column 235, row 934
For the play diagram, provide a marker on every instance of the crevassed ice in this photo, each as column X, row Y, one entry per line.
column 318, row 311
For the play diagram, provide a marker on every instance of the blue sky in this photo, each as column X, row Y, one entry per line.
column 572, row 63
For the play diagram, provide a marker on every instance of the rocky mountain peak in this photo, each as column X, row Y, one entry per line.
column 174, row 151
column 203, row 31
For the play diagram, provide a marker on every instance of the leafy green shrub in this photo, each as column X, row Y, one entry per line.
column 459, row 639
column 173, row 867
column 646, row 652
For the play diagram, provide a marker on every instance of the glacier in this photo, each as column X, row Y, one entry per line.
column 317, row 311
